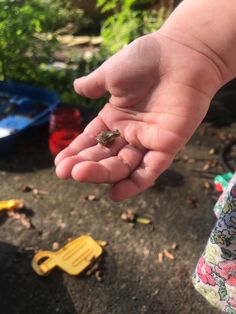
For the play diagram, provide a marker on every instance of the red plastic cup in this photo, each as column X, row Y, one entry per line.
column 64, row 126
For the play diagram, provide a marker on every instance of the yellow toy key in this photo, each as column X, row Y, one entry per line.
column 11, row 204
column 73, row 258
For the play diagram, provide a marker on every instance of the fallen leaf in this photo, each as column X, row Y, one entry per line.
column 146, row 251
column 212, row 151
column 156, row 292
column 102, row 243
column 98, row 275
column 160, row 257
column 185, row 157
column 93, row 267
column 174, row 246
column 91, row 197
column 143, row 220
column 206, row 166
column 39, row 192
column 25, row 221
column 206, row 185
column 55, row 246
column 168, row 254
column 128, row 216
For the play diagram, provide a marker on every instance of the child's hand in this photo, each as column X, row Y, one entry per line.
column 160, row 92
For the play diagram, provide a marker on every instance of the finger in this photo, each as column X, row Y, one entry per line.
column 153, row 164
column 93, row 85
column 83, row 141
column 109, row 170
column 94, row 153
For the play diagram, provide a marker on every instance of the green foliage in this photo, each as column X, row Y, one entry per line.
column 128, row 20
column 20, row 21
column 152, row 20
column 26, row 34
column 28, row 42
column 63, row 12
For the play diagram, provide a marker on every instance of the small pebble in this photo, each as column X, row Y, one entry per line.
column 55, row 246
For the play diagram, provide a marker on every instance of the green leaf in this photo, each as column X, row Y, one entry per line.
column 222, row 293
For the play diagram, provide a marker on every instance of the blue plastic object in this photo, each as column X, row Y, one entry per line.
column 23, row 107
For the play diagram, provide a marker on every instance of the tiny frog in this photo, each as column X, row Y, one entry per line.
column 107, row 138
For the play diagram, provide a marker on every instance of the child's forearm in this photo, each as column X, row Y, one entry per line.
column 208, row 26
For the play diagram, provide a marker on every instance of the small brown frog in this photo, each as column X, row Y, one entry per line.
column 107, row 138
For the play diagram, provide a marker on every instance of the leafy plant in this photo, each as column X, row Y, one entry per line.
column 19, row 22
column 65, row 13
column 26, row 34
column 129, row 19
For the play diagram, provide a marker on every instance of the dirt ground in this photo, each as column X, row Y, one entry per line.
column 133, row 281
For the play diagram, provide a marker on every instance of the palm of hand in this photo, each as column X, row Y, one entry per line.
column 157, row 101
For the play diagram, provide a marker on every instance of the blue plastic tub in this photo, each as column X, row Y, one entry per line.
column 23, row 107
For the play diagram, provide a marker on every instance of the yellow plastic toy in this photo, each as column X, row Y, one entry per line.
column 73, row 258
column 11, row 204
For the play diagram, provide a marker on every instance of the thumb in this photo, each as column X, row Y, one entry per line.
column 93, row 85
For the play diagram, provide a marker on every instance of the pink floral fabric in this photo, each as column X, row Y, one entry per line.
column 215, row 274
column 205, row 271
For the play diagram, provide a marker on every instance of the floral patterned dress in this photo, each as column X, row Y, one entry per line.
column 215, row 274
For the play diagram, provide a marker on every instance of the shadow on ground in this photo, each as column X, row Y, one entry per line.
column 21, row 291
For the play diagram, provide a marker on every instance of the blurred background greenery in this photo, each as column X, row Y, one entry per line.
column 51, row 42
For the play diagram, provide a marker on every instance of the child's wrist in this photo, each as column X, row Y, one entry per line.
column 219, row 70
column 207, row 27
